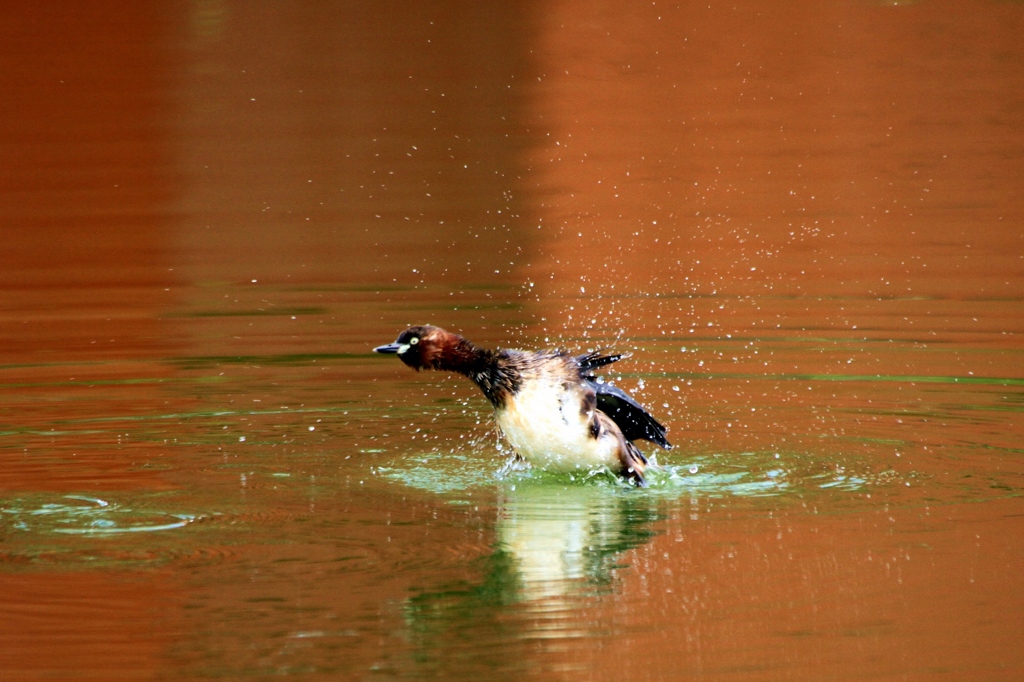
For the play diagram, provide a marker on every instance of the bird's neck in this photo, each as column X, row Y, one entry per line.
column 493, row 371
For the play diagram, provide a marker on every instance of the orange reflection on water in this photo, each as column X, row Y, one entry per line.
column 853, row 150
column 888, row 593
column 64, row 625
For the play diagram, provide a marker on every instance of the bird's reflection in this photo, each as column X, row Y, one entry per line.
column 556, row 546
column 560, row 540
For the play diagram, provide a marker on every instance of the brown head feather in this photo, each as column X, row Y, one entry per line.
column 429, row 347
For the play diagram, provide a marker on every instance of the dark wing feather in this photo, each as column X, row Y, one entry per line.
column 631, row 418
column 595, row 359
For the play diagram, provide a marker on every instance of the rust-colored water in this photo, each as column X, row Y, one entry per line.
column 806, row 222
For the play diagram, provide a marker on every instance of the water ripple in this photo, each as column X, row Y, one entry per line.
column 82, row 515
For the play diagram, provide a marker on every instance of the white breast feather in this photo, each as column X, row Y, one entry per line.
column 543, row 422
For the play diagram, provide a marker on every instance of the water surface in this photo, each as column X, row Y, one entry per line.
column 804, row 222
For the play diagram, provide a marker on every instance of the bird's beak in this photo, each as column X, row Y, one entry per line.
column 389, row 349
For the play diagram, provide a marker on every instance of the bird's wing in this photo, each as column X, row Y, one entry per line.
column 631, row 418
column 591, row 361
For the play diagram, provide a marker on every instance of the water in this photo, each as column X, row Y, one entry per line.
column 805, row 224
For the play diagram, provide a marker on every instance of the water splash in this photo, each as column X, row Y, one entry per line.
column 747, row 474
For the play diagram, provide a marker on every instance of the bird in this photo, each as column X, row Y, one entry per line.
column 548, row 404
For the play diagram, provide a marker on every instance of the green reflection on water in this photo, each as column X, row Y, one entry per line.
column 561, row 541
column 258, row 312
column 886, row 378
column 81, row 515
column 204, row 361
column 556, row 545
column 749, row 474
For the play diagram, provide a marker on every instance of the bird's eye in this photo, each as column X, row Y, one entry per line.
column 413, row 341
